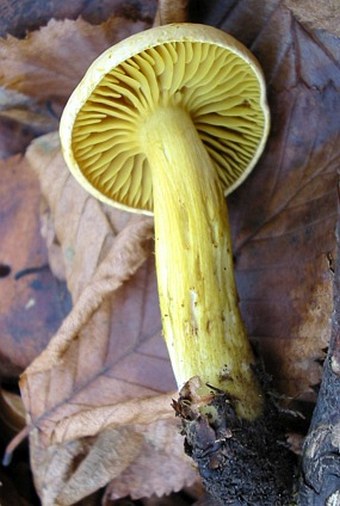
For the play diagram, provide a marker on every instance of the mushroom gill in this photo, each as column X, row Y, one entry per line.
column 214, row 85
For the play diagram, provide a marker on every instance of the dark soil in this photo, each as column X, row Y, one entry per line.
column 240, row 462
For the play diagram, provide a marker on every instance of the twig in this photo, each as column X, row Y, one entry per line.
column 171, row 11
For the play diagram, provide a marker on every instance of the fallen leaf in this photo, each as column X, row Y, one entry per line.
column 21, row 116
column 317, row 14
column 14, row 138
column 67, row 473
column 109, row 368
column 100, row 319
column 159, row 465
column 24, row 110
column 33, row 302
column 283, row 222
column 108, row 456
column 132, row 454
column 12, row 411
column 19, row 18
column 84, row 229
column 284, row 215
column 48, row 63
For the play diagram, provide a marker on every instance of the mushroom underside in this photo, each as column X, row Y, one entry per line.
column 216, row 87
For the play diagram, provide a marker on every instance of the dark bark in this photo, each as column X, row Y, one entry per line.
column 320, row 473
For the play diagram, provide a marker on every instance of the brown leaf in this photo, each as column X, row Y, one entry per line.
column 160, row 465
column 140, row 459
column 48, row 63
column 84, row 228
column 317, row 14
column 14, row 138
column 284, row 215
column 33, row 303
column 35, row 76
column 103, row 367
column 12, row 411
column 283, row 221
column 24, row 110
column 17, row 18
column 97, row 263
column 67, row 473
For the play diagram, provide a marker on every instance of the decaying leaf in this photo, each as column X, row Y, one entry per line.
column 104, row 366
column 24, row 110
column 38, row 73
column 159, row 466
column 66, row 473
column 33, row 303
column 317, row 14
column 284, row 215
column 108, row 360
column 139, row 459
column 12, row 411
column 49, row 62
column 18, row 19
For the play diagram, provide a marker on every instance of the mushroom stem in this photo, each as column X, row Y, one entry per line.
column 202, row 325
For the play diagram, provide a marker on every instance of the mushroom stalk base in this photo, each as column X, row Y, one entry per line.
column 241, row 462
column 201, row 321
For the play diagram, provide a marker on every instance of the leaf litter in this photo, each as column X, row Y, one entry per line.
column 111, row 368
column 283, row 220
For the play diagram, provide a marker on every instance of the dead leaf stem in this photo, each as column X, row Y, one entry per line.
column 14, row 443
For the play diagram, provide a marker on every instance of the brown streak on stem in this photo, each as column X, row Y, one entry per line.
column 173, row 11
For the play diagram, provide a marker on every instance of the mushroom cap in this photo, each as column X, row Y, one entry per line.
column 200, row 68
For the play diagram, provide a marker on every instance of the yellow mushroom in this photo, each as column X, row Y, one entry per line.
column 168, row 122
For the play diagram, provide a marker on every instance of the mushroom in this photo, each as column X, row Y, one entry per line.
column 168, row 122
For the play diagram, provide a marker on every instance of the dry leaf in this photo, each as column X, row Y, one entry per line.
column 32, row 65
column 114, row 367
column 14, row 138
column 83, row 227
column 24, row 110
column 33, row 303
column 19, row 18
column 12, row 411
column 317, row 14
column 112, row 451
column 284, row 215
column 66, row 473
column 283, row 225
column 48, row 63
column 133, row 454
column 159, row 466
